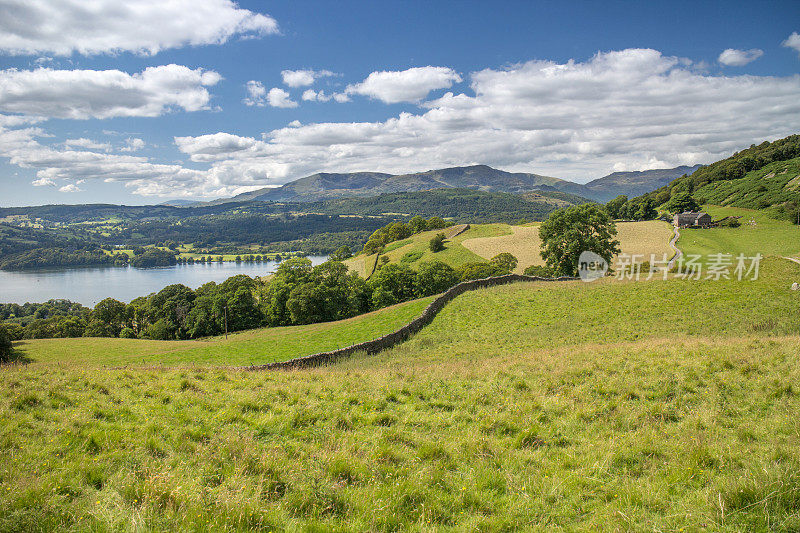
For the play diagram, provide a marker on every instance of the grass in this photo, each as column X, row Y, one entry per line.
column 244, row 348
column 767, row 236
column 660, row 405
column 454, row 254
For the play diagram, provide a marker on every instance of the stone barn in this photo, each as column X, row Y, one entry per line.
column 691, row 219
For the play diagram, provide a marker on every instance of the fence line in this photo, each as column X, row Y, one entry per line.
column 405, row 332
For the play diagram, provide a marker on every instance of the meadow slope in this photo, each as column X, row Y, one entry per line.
column 616, row 405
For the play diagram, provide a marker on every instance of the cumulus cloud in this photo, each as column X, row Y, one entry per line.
column 738, row 58
column 70, row 187
column 411, row 85
column 630, row 109
column 82, row 94
column 277, row 97
column 303, row 78
column 793, row 42
column 257, row 95
column 63, row 27
column 133, row 144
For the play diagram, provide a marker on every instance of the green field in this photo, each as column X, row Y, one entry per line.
column 243, row 348
column 660, row 405
column 766, row 236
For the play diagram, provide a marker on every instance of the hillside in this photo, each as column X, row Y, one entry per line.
column 458, row 205
column 478, row 177
column 739, row 180
column 518, row 404
column 484, row 241
column 771, row 185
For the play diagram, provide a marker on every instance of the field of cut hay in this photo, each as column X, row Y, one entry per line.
column 641, row 238
column 524, row 244
column 645, row 238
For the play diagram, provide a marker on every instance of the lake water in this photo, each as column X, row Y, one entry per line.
column 90, row 285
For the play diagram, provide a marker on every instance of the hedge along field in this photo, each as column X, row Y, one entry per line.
column 768, row 236
column 252, row 347
column 496, row 416
column 641, row 238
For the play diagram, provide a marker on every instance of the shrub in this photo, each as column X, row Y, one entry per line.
column 436, row 244
column 540, row 271
column 504, row 263
column 5, row 344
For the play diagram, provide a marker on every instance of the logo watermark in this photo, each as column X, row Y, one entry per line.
column 638, row 267
column 591, row 266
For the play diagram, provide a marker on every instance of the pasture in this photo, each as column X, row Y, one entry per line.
column 758, row 233
column 545, row 407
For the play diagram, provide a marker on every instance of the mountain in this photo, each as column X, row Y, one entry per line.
column 634, row 183
column 326, row 186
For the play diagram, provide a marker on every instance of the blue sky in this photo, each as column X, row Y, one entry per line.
column 573, row 90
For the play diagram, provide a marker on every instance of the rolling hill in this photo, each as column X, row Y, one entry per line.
column 324, row 186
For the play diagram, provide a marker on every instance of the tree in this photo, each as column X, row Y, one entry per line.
column 504, row 263
column 434, row 277
column 6, row 347
column 645, row 210
column 342, row 253
column 436, row 244
column 682, row 201
column 392, row 284
column 570, row 231
column 113, row 313
column 478, row 270
column 614, row 206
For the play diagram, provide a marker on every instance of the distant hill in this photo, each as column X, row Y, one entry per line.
column 326, row 186
column 179, row 203
column 459, row 205
column 634, row 183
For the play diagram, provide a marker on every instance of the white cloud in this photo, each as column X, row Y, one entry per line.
column 303, row 78
column 82, row 94
column 739, row 58
column 70, row 187
column 310, row 95
column 277, row 97
column 630, row 109
column 410, row 85
column 133, row 144
column 88, row 144
column 793, row 42
column 62, row 27
column 259, row 96
column 256, row 93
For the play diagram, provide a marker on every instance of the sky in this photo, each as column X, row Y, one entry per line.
column 143, row 101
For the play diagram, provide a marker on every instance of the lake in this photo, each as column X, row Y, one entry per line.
column 90, row 285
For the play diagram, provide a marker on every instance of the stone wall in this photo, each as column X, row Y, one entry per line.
column 396, row 337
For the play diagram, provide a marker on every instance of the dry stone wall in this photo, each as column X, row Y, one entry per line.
column 404, row 333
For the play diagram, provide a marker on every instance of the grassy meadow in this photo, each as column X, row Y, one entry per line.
column 616, row 405
column 251, row 347
column 759, row 233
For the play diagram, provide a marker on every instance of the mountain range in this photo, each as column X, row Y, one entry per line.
column 326, row 186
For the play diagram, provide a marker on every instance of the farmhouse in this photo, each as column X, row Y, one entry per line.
column 690, row 219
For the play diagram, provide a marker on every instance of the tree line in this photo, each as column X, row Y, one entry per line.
column 298, row 293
